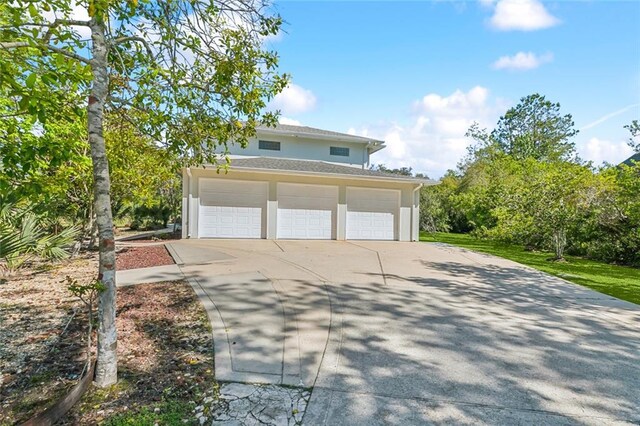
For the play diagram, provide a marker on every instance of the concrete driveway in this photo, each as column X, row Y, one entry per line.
column 416, row 333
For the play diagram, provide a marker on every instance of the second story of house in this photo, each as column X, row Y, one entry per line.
column 307, row 143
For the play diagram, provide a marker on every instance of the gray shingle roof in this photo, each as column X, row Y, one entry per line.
column 634, row 157
column 312, row 131
column 318, row 167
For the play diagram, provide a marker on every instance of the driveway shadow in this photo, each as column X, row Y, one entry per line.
column 473, row 344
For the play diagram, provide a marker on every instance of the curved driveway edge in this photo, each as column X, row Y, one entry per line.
column 417, row 333
column 270, row 317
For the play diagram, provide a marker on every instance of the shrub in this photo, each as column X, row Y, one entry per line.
column 25, row 235
column 148, row 217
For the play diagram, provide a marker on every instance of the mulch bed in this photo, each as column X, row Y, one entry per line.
column 165, row 351
column 143, row 257
column 165, row 346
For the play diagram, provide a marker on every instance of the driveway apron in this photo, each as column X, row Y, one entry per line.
column 415, row 333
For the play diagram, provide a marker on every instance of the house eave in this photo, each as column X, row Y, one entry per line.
column 338, row 138
column 400, row 180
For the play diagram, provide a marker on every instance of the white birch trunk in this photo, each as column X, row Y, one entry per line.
column 107, row 363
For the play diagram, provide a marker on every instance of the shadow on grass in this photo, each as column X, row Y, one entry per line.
column 617, row 281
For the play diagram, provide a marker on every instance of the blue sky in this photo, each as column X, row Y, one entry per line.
column 416, row 74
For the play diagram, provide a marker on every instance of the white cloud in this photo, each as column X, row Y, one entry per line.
column 522, row 61
column 600, row 150
column 523, row 15
column 433, row 140
column 294, row 100
column 78, row 12
column 289, row 121
column 456, row 104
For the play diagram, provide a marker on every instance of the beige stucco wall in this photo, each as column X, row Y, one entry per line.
column 407, row 217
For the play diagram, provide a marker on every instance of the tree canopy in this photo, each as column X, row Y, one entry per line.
column 192, row 74
column 534, row 128
column 197, row 69
column 523, row 184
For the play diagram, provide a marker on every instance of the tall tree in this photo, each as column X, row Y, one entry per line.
column 634, row 139
column 534, row 128
column 197, row 68
column 547, row 200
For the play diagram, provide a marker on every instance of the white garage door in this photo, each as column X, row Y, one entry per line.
column 371, row 213
column 231, row 209
column 306, row 211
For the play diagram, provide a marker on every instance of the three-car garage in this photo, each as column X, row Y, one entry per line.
column 237, row 209
column 253, row 205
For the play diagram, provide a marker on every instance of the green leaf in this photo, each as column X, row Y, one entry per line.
column 23, row 103
column 31, row 80
column 60, row 60
column 49, row 78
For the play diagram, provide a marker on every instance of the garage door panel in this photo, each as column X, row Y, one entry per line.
column 302, row 223
column 229, row 222
column 306, row 211
column 370, row 225
column 231, row 209
column 306, row 203
column 372, row 200
column 372, row 213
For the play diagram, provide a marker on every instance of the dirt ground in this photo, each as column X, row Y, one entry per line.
column 165, row 346
column 165, row 352
column 42, row 336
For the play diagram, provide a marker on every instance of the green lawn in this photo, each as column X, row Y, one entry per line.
column 618, row 281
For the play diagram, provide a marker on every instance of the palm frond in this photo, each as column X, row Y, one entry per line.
column 24, row 234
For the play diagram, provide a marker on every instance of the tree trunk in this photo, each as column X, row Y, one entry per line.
column 559, row 241
column 107, row 363
column 93, row 231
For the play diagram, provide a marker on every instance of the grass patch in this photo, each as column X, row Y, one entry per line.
column 617, row 281
column 170, row 412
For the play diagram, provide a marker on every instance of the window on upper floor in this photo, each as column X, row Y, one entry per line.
column 269, row 145
column 338, row 150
